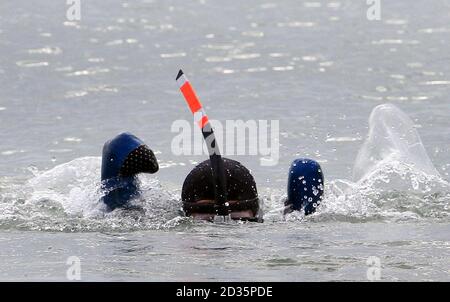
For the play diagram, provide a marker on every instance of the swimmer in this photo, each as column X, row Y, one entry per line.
column 217, row 186
column 305, row 186
column 199, row 199
column 123, row 158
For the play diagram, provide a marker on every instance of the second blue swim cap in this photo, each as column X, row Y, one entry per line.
column 305, row 185
column 123, row 158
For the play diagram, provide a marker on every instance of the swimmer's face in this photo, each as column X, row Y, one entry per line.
column 246, row 214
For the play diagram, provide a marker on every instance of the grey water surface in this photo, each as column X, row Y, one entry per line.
column 318, row 67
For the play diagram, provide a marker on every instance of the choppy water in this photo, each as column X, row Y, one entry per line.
column 318, row 67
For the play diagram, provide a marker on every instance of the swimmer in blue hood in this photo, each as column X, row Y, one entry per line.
column 305, row 186
column 123, row 158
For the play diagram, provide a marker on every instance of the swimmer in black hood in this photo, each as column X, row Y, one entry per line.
column 199, row 199
column 217, row 186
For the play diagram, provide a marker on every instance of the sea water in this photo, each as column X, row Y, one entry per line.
column 320, row 68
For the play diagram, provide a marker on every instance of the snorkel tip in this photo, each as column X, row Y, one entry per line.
column 180, row 74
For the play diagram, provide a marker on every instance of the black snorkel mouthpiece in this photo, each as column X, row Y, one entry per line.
column 217, row 173
column 123, row 158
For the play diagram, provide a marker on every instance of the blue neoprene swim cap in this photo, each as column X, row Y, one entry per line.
column 123, row 158
column 305, row 185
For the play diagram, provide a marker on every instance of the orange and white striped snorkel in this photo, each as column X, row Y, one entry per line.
column 200, row 117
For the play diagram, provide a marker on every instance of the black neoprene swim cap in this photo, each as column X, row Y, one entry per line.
column 241, row 188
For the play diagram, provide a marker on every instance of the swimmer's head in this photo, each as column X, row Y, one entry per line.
column 305, row 185
column 123, row 158
column 198, row 192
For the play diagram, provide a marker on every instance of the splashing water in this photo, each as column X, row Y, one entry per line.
column 394, row 177
column 67, row 198
column 392, row 141
column 394, row 180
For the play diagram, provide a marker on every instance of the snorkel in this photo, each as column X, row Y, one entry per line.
column 217, row 166
column 123, row 158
